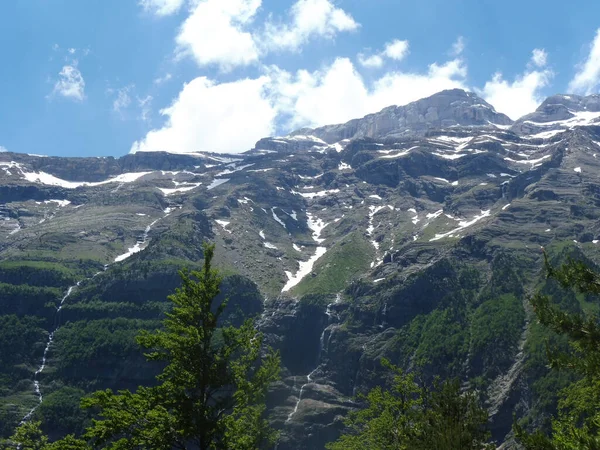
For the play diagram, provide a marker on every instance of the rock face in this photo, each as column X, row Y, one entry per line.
column 410, row 234
column 445, row 109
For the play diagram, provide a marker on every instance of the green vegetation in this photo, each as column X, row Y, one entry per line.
column 577, row 425
column 344, row 261
column 209, row 395
column 410, row 417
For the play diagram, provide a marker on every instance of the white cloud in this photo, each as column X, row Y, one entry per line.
column 370, row 62
column 231, row 117
column 70, row 83
column 396, row 49
column 539, row 57
column 163, row 79
column 587, row 78
column 309, row 18
column 3, row 149
column 206, row 116
column 214, row 33
column 523, row 95
column 458, row 47
column 145, row 105
column 123, row 99
column 338, row 93
column 162, row 7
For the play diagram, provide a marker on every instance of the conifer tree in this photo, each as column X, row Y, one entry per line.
column 577, row 425
column 211, row 393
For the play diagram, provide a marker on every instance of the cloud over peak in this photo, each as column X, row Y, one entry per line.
column 587, row 78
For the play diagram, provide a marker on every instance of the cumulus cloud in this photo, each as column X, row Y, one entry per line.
column 162, row 7
column 230, row 117
column 309, row 18
column 3, row 149
column 587, row 78
column 70, row 83
column 215, row 33
column 223, row 33
column 395, row 50
column 207, row 116
column 339, row 93
column 370, row 62
column 523, row 95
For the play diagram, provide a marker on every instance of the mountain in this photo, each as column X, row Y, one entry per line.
column 412, row 234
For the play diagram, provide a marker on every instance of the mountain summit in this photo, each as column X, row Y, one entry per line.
column 449, row 108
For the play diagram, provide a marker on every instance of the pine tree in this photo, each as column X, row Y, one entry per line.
column 410, row 417
column 577, row 425
column 211, row 392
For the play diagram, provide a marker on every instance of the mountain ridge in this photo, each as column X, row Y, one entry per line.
column 346, row 251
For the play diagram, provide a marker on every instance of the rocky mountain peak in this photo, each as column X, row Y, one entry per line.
column 560, row 112
column 454, row 107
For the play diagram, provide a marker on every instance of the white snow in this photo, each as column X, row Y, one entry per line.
column 505, row 207
column 441, row 179
column 316, row 194
column 188, row 188
column 51, row 180
column 224, row 224
column 217, row 182
column 580, row 118
column 462, row 225
column 344, row 166
column 60, row 203
column 577, row 169
column 298, row 249
column 310, row 178
column 139, row 245
column 306, row 137
column 269, row 245
column 435, row 215
column 277, row 219
column 305, row 267
column 545, row 134
column 377, row 197
column 452, row 156
column 261, row 233
column 396, row 155
column 533, row 162
column 316, row 225
column 378, row 280
column 261, row 170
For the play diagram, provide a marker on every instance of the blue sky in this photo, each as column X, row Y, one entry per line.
column 105, row 77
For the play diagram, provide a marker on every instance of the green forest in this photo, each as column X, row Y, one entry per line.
column 212, row 372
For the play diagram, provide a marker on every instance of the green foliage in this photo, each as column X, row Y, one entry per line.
column 577, row 425
column 36, row 273
column 212, row 390
column 409, row 417
column 96, row 344
column 496, row 327
column 60, row 412
column 23, row 299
